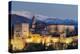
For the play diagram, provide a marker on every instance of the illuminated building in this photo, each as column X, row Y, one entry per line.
column 51, row 28
column 71, row 28
column 21, row 30
column 62, row 31
column 61, row 28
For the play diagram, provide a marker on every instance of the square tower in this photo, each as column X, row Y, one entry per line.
column 21, row 30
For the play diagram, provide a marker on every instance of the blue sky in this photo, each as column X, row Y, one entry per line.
column 52, row 10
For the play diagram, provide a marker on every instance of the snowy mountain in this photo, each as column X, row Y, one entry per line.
column 22, row 16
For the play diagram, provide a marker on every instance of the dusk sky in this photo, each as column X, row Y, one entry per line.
column 52, row 10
